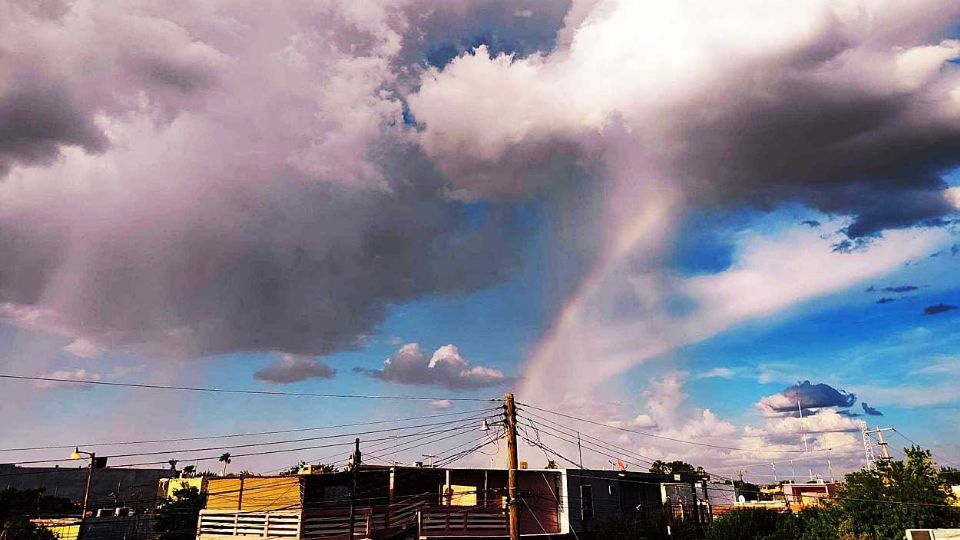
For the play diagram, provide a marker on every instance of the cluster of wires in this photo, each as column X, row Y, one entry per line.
column 382, row 438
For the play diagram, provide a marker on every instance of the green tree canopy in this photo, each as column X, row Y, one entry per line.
column 896, row 496
column 675, row 467
column 177, row 516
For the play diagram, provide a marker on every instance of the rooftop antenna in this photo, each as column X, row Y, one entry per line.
column 803, row 432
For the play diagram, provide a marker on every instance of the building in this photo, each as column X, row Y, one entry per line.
column 166, row 487
column 436, row 503
column 807, row 494
column 111, row 487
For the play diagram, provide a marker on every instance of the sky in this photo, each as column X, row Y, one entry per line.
column 722, row 233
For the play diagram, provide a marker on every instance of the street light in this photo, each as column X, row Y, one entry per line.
column 86, row 494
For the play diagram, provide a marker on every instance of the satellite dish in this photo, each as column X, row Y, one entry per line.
column 741, row 498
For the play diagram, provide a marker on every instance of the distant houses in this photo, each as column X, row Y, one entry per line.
column 431, row 502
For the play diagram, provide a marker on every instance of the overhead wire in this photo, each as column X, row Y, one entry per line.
column 655, row 435
column 235, row 435
column 16, row 377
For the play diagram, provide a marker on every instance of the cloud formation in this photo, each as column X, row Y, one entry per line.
column 756, row 146
column 440, row 404
column 214, row 180
column 78, row 374
column 808, row 396
column 937, row 309
column 717, row 373
column 680, row 106
column 291, row 368
column 870, row 411
column 446, row 368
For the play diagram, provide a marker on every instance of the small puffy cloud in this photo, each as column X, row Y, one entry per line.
column 446, row 368
column 665, row 396
column 937, row 309
column 870, row 411
column 78, row 374
column 441, row 404
column 83, row 348
column 643, row 421
column 717, row 373
column 886, row 300
column 291, row 368
column 806, row 395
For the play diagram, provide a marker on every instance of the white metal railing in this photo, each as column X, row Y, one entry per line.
column 461, row 522
column 279, row 524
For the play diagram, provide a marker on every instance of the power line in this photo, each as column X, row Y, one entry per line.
column 235, row 435
column 248, row 445
column 246, row 454
column 236, row 391
column 598, row 441
column 656, row 436
column 911, row 441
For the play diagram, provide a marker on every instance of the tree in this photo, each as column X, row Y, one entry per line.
column 20, row 528
column 225, row 459
column 177, row 517
column 675, row 467
column 762, row 524
column 33, row 503
column 18, row 506
column 898, row 495
column 745, row 524
column 295, row 469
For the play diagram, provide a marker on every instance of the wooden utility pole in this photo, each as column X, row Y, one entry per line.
column 512, row 462
column 883, row 444
column 355, row 466
column 86, row 491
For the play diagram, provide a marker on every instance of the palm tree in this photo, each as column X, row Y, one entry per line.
column 225, row 459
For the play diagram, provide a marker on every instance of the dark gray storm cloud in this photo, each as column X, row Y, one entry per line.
column 870, row 411
column 37, row 118
column 814, row 396
column 249, row 182
column 937, row 309
column 900, row 288
column 851, row 116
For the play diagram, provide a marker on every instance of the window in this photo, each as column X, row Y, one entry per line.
column 586, row 502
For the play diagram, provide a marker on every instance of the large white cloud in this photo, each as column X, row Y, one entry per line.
column 847, row 106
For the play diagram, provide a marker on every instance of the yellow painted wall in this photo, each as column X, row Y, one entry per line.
column 63, row 529
column 168, row 486
column 256, row 493
column 223, row 494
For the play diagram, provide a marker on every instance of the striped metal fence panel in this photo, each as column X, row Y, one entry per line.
column 280, row 524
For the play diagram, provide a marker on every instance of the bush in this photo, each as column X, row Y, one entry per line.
column 745, row 524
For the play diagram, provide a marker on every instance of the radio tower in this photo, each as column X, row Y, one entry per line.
column 869, row 458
